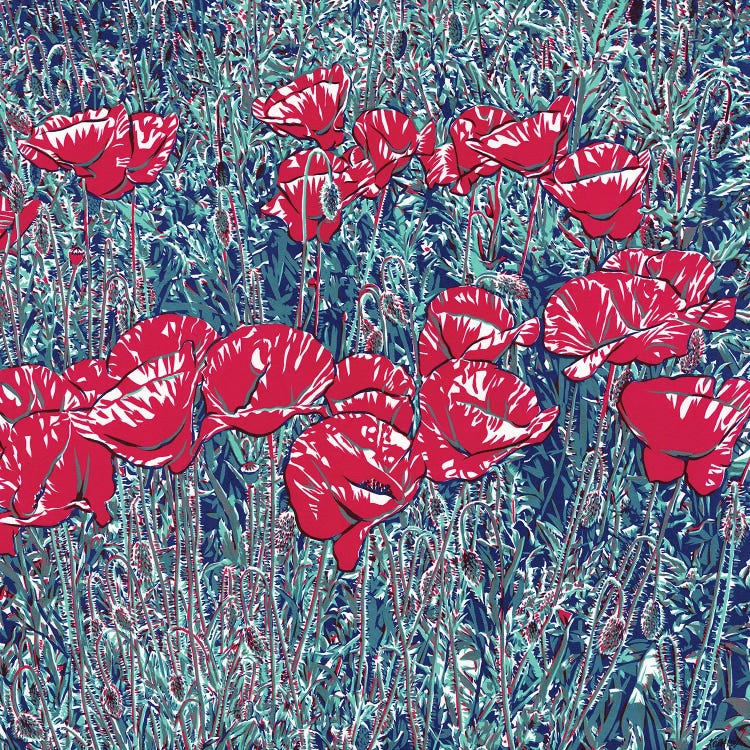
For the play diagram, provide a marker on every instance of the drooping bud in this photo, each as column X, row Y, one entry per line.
column 111, row 701
column 719, row 138
column 16, row 195
column 28, row 728
column 398, row 45
column 393, row 308
column 455, row 29
column 330, row 199
column 612, row 634
column 652, row 619
column 470, row 565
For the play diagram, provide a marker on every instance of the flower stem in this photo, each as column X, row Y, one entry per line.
column 530, row 227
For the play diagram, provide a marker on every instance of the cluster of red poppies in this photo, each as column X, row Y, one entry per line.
column 60, row 433
column 109, row 149
column 600, row 184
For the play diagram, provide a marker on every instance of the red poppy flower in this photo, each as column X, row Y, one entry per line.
column 109, row 149
column 471, row 323
column 30, row 389
column 311, row 106
column 460, row 158
column 473, row 416
column 8, row 234
column 641, row 307
column 346, row 474
column 389, row 139
column 687, row 429
column 146, row 417
column 600, row 184
column 260, row 376
column 530, row 146
column 327, row 193
column 49, row 472
column 372, row 384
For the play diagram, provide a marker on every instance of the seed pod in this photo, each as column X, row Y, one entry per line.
column 719, row 138
column 612, row 635
column 455, row 29
column 42, row 239
column 111, row 701
column 28, row 728
column 330, row 199
column 470, row 565
column 168, row 16
column 397, row 84
column 132, row 22
column 398, row 45
column 652, row 619
column 393, row 308
column 223, row 174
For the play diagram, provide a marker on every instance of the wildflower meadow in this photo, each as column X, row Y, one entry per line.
column 374, row 375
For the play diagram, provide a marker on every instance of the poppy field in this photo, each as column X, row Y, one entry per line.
column 374, row 375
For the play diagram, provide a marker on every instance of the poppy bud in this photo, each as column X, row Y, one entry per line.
column 330, row 199
column 398, row 46
column 76, row 256
column 665, row 173
column 28, row 728
column 612, row 635
column 734, row 524
column 470, row 565
column 223, row 174
column 719, row 138
column 374, row 342
column 36, row 87
column 652, row 619
column 16, row 195
column 19, row 120
column 455, row 29
column 111, row 701
column 393, row 308
column 63, row 92
column 177, row 687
